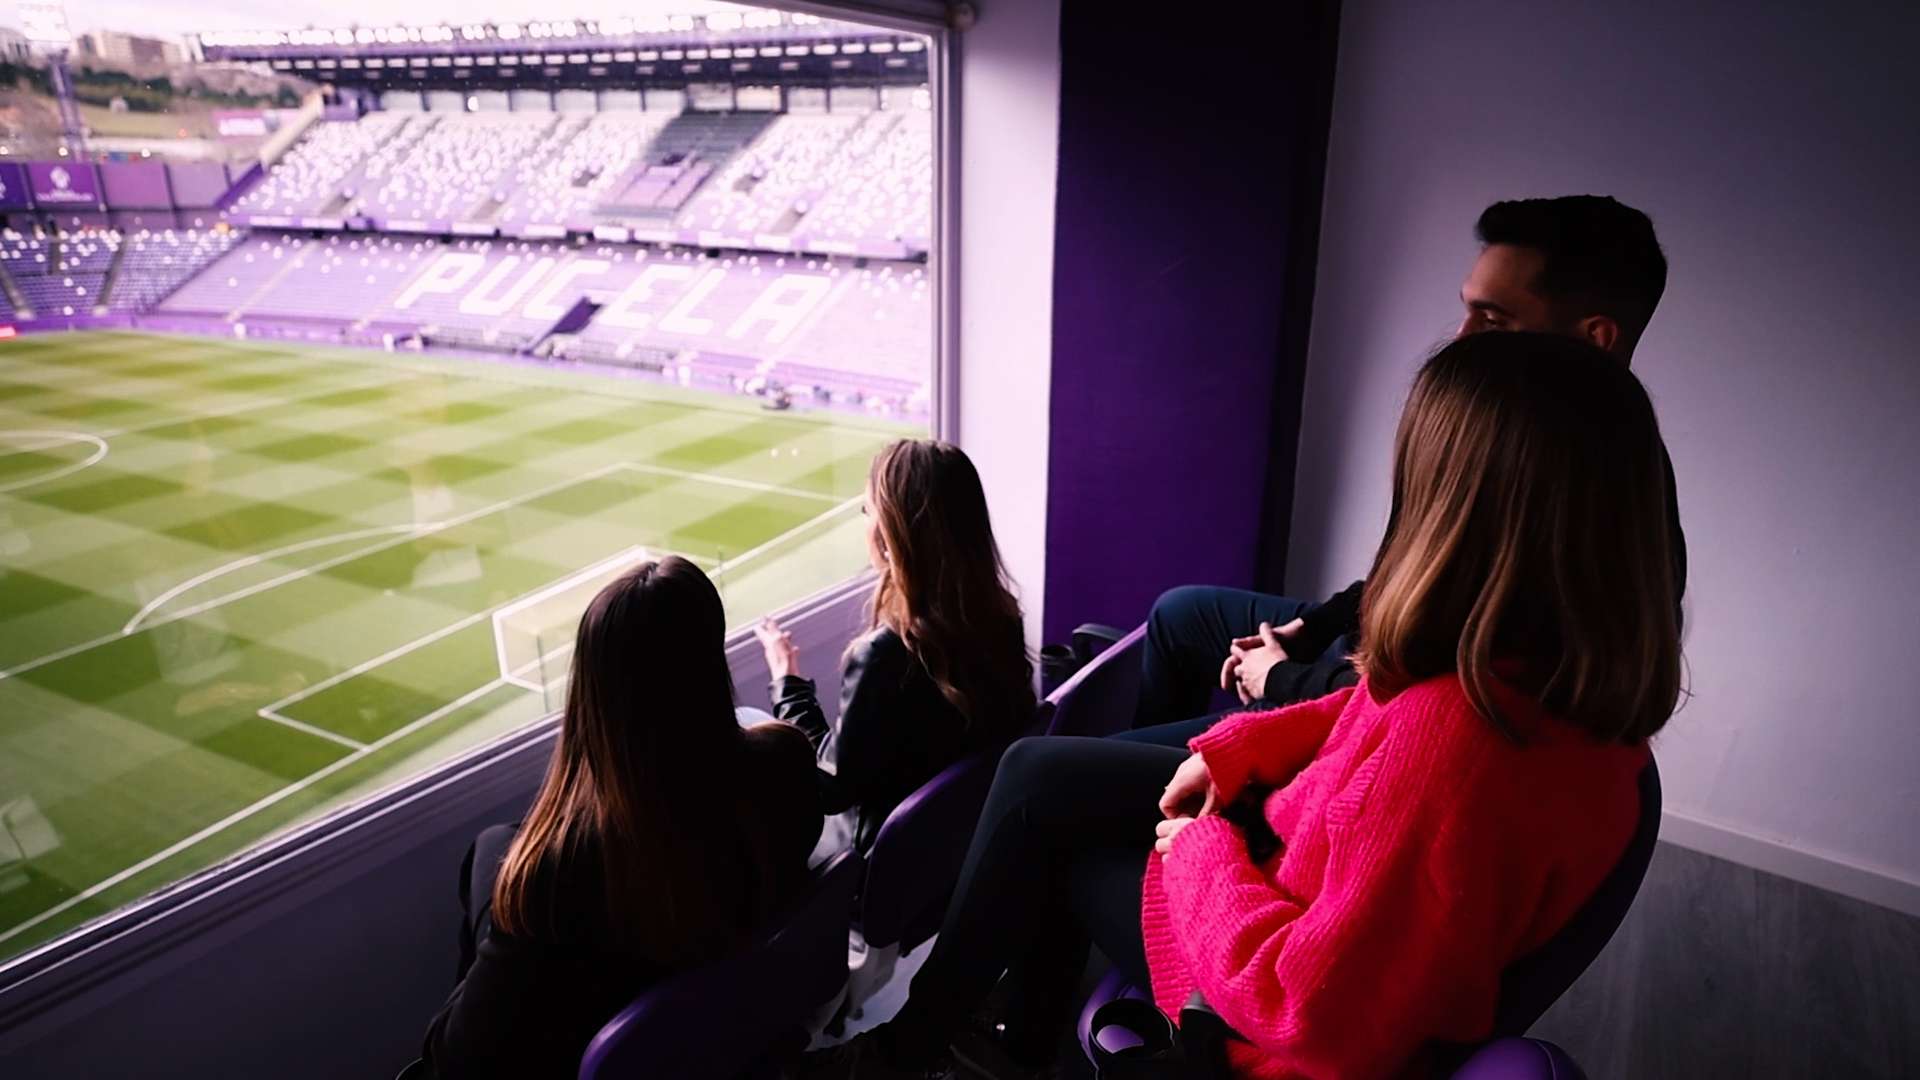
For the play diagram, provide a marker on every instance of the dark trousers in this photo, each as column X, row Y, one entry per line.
column 1055, row 865
column 1189, row 632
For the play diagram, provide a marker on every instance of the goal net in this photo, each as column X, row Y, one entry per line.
column 533, row 636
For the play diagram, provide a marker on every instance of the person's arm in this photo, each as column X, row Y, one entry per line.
column 1403, row 943
column 796, row 701
column 1324, row 625
column 867, row 745
column 1266, row 748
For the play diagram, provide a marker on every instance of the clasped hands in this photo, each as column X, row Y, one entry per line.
column 1249, row 659
column 1189, row 795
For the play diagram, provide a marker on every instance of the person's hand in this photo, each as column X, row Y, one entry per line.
column 1252, row 658
column 1166, row 831
column 1191, row 792
column 783, row 657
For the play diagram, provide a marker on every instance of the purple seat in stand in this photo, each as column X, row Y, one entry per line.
column 1100, row 698
column 1519, row 1059
column 915, row 858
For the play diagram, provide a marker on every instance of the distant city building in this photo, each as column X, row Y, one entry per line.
column 115, row 47
column 45, row 25
column 14, row 46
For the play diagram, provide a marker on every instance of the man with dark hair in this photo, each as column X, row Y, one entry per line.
column 1584, row 265
column 1588, row 266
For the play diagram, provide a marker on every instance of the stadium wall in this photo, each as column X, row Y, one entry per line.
column 1183, row 257
column 1764, row 143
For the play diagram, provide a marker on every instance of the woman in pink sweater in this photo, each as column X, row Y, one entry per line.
column 1344, row 881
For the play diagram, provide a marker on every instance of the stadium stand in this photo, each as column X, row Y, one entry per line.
column 806, row 319
column 754, row 246
column 24, row 254
column 311, row 178
column 154, row 264
column 883, row 188
column 453, row 170
column 841, row 179
column 335, row 279
column 565, row 178
column 88, row 251
column 757, row 191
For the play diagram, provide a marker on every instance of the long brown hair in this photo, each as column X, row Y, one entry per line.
column 637, row 782
column 944, row 589
column 1528, row 541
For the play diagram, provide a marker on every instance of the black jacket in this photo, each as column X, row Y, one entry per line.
column 896, row 731
column 529, row 1006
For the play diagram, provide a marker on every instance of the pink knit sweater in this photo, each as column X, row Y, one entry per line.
column 1423, row 852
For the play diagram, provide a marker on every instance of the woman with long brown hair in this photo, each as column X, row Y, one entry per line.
column 663, row 833
column 1344, row 880
column 942, row 672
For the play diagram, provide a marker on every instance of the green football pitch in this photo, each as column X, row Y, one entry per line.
column 241, row 583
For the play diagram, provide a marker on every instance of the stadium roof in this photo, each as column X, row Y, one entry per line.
column 652, row 31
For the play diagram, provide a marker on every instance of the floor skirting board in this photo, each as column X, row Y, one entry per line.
column 1874, row 884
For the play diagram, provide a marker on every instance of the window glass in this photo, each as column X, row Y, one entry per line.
column 340, row 367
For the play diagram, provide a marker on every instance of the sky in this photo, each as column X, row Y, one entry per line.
column 176, row 18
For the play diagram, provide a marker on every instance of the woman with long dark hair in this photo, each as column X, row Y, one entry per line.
column 942, row 672
column 1344, row 880
column 663, row 834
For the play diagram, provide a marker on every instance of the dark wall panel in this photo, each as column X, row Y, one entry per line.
column 1187, row 213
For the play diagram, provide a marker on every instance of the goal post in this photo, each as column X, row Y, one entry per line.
column 533, row 636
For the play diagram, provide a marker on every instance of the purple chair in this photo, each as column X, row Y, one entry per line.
column 723, row 1021
column 1519, row 1059
column 1101, row 698
column 915, row 858
column 1530, row 985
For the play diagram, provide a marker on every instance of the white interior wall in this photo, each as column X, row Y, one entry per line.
column 1774, row 147
column 1009, row 154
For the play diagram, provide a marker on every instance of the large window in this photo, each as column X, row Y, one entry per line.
column 307, row 471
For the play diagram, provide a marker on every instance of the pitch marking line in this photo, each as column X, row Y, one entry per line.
column 100, row 440
column 295, row 575
column 258, row 403
column 728, row 481
column 254, row 560
column 54, row 438
column 462, row 623
column 297, row 725
column 248, row 811
column 630, row 557
column 327, row 770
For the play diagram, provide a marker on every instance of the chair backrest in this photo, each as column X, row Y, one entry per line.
column 1102, row 697
column 717, row 1022
column 1519, row 1059
column 1530, row 985
column 915, row 858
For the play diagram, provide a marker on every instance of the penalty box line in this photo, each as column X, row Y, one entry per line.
column 251, row 809
column 362, row 752
column 513, row 676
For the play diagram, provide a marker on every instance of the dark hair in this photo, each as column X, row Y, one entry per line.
column 639, row 778
column 1529, row 541
column 1601, row 257
column 944, row 589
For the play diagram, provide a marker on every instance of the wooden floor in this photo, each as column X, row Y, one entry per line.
column 1725, row 971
